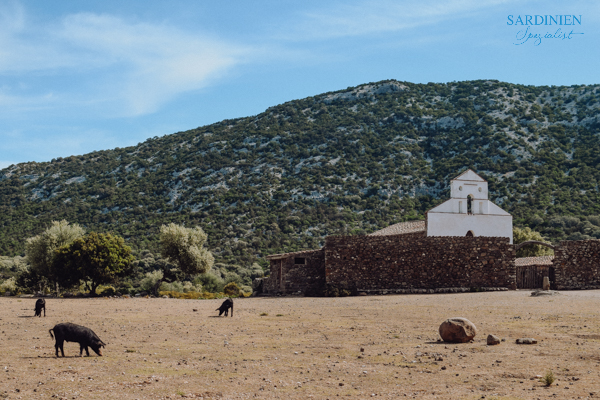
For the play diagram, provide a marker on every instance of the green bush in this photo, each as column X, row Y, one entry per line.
column 181, row 287
column 209, row 282
column 106, row 291
column 8, row 286
column 548, row 379
column 179, row 295
column 232, row 289
column 191, row 295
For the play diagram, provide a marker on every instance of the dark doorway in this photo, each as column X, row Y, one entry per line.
column 469, row 234
column 532, row 276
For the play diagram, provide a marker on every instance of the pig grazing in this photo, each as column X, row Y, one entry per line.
column 227, row 304
column 39, row 304
column 76, row 333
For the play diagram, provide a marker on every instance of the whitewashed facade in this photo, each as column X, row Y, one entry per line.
column 469, row 212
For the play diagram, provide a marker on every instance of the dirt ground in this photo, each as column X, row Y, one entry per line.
column 306, row 348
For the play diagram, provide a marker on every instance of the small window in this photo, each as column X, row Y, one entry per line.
column 299, row 260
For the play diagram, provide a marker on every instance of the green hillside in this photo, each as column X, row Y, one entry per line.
column 345, row 162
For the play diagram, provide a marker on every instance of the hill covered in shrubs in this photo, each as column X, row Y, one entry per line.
column 346, row 162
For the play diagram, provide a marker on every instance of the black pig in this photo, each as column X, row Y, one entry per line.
column 39, row 304
column 227, row 304
column 76, row 333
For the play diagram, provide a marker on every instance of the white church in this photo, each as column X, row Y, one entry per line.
column 468, row 212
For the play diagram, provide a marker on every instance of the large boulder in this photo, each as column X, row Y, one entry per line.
column 457, row 330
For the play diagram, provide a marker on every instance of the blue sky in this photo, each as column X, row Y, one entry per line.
column 78, row 76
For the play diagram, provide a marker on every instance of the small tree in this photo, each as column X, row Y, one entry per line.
column 95, row 259
column 185, row 248
column 533, row 250
column 40, row 251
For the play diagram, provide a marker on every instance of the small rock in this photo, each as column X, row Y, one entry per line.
column 341, row 383
column 457, row 330
column 194, row 309
column 493, row 340
column 526, row 341
column 544, row 293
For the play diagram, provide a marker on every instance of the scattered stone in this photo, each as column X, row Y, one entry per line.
column 493, row 340
column 526, row 341
column 544, row 293
column 457, row 330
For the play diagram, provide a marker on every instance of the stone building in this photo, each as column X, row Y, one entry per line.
column 464, row 244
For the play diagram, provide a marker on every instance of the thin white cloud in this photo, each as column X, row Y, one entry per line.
column 127, row 68
column 156, row 62
column 378, row 16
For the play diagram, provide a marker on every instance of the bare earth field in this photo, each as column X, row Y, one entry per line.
column 306, row 348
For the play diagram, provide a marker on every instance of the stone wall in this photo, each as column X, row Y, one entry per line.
column 409, row 262
column 577, row 265
column 288, row 277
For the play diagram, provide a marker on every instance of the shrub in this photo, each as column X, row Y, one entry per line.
column 180, row 295
column 181, row 287
column 106, row 291
column 191, row 295
column 8, row 286
column 231, row 289
column 209, row 282
column 151, row 279
column 548, row 379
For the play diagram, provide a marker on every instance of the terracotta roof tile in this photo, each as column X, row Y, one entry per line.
column 286, row 255
column 402, row 227
column 527, row 261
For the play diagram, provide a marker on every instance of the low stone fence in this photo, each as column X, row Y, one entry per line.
column 415, row 261
column 577, row 265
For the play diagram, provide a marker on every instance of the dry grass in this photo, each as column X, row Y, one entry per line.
column 306, row 348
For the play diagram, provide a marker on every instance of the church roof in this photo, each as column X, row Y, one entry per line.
column 402, row 227
column 469, row 175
